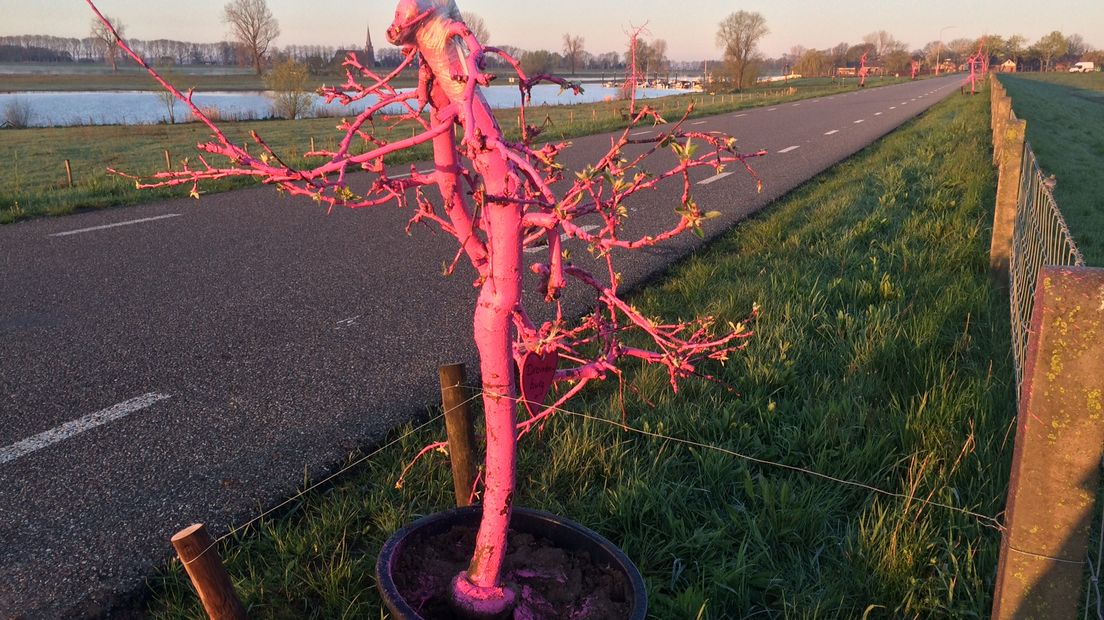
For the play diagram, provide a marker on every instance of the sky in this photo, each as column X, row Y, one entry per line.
column 688, row 27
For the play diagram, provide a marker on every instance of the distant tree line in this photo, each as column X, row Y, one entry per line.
column 892, row 56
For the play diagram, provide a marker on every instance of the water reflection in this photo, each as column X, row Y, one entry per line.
column 49, row 109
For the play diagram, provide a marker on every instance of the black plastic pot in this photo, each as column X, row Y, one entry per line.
column 564, row 533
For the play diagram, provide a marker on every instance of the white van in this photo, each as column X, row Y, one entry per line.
column 1083, row 67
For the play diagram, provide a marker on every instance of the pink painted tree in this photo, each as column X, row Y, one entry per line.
column 497, row 198
column 915, row 69
column 976, row 63
column 863, row 70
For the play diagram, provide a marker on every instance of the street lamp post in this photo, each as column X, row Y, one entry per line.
column 939, row 54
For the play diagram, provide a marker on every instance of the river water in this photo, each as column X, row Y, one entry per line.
column 54, row 109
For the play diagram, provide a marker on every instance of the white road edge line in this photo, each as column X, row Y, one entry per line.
column 699, row 123
column 740, row 115
column 715, row 178
column 834, row 131
column 76, row 427
column 789, row 148
column 640, row 133
column 106, row 226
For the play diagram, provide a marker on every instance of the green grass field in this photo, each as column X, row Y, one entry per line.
column 881, row 357
column 34, row 183
column 1065, row 125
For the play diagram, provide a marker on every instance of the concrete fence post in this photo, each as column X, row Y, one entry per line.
column 1008, row 191
column 1059, row 443
column 1002, row 115
column 994, row 95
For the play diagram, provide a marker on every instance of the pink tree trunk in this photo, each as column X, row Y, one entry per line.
column 479, row 590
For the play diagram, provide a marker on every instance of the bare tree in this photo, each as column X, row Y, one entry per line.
column 477, row 26
column 658, row 63
column 795, row 54
column 739, row 35
column 253, row 27
column 1051, row 46
column 573, row 50
column 108, row 41
column 1076, row 47
column 883, row 43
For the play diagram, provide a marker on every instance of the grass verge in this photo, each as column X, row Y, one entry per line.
column 881, row 357
column 34, row 181
column 1065, row 125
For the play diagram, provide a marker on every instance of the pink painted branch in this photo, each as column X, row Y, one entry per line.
column 332, row 94
column 434, row 447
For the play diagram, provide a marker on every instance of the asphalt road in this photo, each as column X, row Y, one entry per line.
column 184, row 362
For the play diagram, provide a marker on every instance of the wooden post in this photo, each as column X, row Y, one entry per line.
column 461, row 432
column 312, row 144
column 69, row 173
column 197, row 553
column 1008, row 192
column 1059, row 444
column 168, row 160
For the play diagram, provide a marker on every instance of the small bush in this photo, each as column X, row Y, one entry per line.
column 291, row 98
column 17, row 114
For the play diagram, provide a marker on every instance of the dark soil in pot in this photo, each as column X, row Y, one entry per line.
column 559, row 570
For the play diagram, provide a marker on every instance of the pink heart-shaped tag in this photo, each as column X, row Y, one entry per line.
column 537, row 375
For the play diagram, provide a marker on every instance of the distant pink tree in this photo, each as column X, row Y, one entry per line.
column 976, row 62
column 497, row 198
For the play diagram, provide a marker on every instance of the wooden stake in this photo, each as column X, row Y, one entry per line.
column 312, row 144
column 196, row 551
column 168, row 160
column 69, row 173
column 461, row 432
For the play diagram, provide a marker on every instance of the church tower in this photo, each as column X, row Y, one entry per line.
column 369, row 51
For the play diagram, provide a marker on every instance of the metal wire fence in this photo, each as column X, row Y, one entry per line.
column 1041, row 237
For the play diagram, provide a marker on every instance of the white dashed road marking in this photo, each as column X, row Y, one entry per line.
column 106, row 226
column 403, row 176
column 834, row 131
column 861, row 120
column 715, row 178
column 563, row 237
column 76, row 427
column 789, row 148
